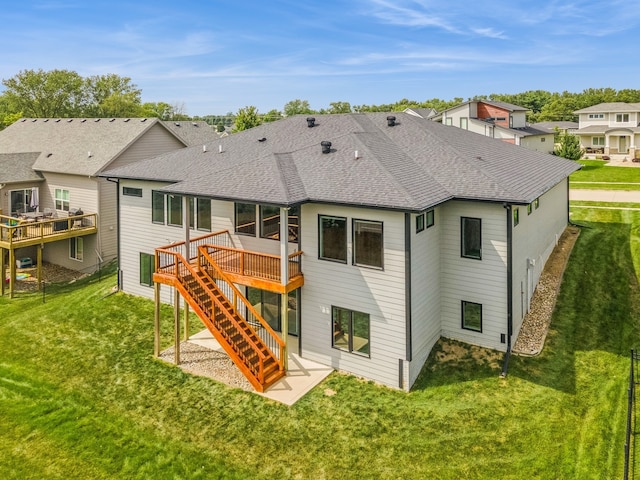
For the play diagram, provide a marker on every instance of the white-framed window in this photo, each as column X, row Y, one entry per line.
column 464, row 123
column 76, row 248
column 21, row 200
column 595, row 116
column 622, row 117
column 597, row 141
column 61, row 197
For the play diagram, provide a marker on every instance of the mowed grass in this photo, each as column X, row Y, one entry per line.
column 82, row 397
column 595, row 174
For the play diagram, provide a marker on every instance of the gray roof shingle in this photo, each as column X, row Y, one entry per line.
column 192, row 133
column 18, row 167
column 81, row 146
column 611, row 107
column 412, row 166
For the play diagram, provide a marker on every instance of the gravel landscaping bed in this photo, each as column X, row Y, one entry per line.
column 535, row 325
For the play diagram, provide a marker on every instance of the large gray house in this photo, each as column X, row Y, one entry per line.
column 362, row 237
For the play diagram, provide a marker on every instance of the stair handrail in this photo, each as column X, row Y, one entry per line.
column 261, row 356
column 220, row 274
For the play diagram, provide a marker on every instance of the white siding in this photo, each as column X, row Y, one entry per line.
column 535, row 143
column 479, row 281
column 534, row 238
column 379, row 293
column 425, row 293
column 107, row 219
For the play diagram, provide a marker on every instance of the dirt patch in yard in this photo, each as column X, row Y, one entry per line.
column 51, row 273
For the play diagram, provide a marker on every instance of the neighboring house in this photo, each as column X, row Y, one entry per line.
column 610, row 129
column 421, row 112
column 500, row 120
column 52, row 165
column 557, row 127
column 365, row 236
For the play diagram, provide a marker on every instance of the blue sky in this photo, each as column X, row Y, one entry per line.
column 215, row 57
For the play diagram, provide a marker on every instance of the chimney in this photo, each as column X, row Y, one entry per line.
column 391, row 121
column 311, row 122
column 326, row 146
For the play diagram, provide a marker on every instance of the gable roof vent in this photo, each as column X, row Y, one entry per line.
column 326, row 146
column 391, row 121
column 311, row 122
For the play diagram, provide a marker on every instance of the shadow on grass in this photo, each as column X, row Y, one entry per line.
column 597, row 310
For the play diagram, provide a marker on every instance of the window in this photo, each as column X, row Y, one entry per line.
column 471, row 233
column 516, row 216
column 132, row 192
column 147, row 267
column 542, row 140
column 419, row 223
column 536, row 203
column 464, row 122
column 200, row 214
column 76, row 248
column 430, row 218
column 529, row 208
column 62, row 199
column 597, row 141
column 245, row 218
column 368, row 243
column 596, row 115
column 157, row 207
column 269, row 306
column 333, row 238
column 21, row 201
column 472, row 316
column 350, row 331
column 174, row 210
column 622, row 117
column 449, row 121
column 270, row 222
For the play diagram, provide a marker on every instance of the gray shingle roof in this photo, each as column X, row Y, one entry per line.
column 192, row 133
column 18, row 167
column 507, row 106
column 73, row 145
column 411, row 166
column 551, row 126
column 611, row 107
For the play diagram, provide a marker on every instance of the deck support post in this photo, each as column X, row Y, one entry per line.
column 39, row 266
column 12, row 271
column 284, row 280
column 186, row 320
column 176, row 325
column 186, row 217
column 2, row 269
column 156, row 319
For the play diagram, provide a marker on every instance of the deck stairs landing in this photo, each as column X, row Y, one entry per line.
column 248, row 350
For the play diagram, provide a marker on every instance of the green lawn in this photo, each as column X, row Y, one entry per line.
column 595, row 174
column 82, row 397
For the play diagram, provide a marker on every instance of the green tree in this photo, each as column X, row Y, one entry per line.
column 569, row 147
column 297, row 107
column 36, row 93
column 246, row 118
column 111, row 96
column 339, row 107
column 272, row 115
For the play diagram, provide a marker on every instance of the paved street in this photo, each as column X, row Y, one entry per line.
column 622, row 196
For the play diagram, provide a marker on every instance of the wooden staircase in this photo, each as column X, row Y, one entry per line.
column 236, row 332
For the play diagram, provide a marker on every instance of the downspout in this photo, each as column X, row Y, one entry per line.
column 507, row 355
column 118, row 243
column 407, row 298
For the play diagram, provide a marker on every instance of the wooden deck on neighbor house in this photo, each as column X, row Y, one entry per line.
column 243, row 267
column 37, row 230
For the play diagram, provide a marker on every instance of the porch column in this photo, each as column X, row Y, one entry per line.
column 284, row 280
column 606, row 144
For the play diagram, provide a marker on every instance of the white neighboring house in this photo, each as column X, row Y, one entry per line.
column 404, row 230
column 610, row 129
column 501, row 120
column 52, row 165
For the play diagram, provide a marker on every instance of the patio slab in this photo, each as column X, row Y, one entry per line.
column 302, row 374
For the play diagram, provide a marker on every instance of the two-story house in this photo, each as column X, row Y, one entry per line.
column 363, row 238
column 49, row 170
column 610, row 129
column 501, row 120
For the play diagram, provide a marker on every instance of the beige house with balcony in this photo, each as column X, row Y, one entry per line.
column 610, row 129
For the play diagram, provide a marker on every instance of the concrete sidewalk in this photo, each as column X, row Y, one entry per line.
column 621, row 196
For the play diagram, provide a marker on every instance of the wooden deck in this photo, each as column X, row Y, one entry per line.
column 18, row 233
column 242, row 267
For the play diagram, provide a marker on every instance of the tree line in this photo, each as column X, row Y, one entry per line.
column 64, row 94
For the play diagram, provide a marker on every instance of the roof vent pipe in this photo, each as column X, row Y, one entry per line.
column 311, row 122
column 326, row 146
column 204, row 148
column 391, row 121
column 219, row 148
